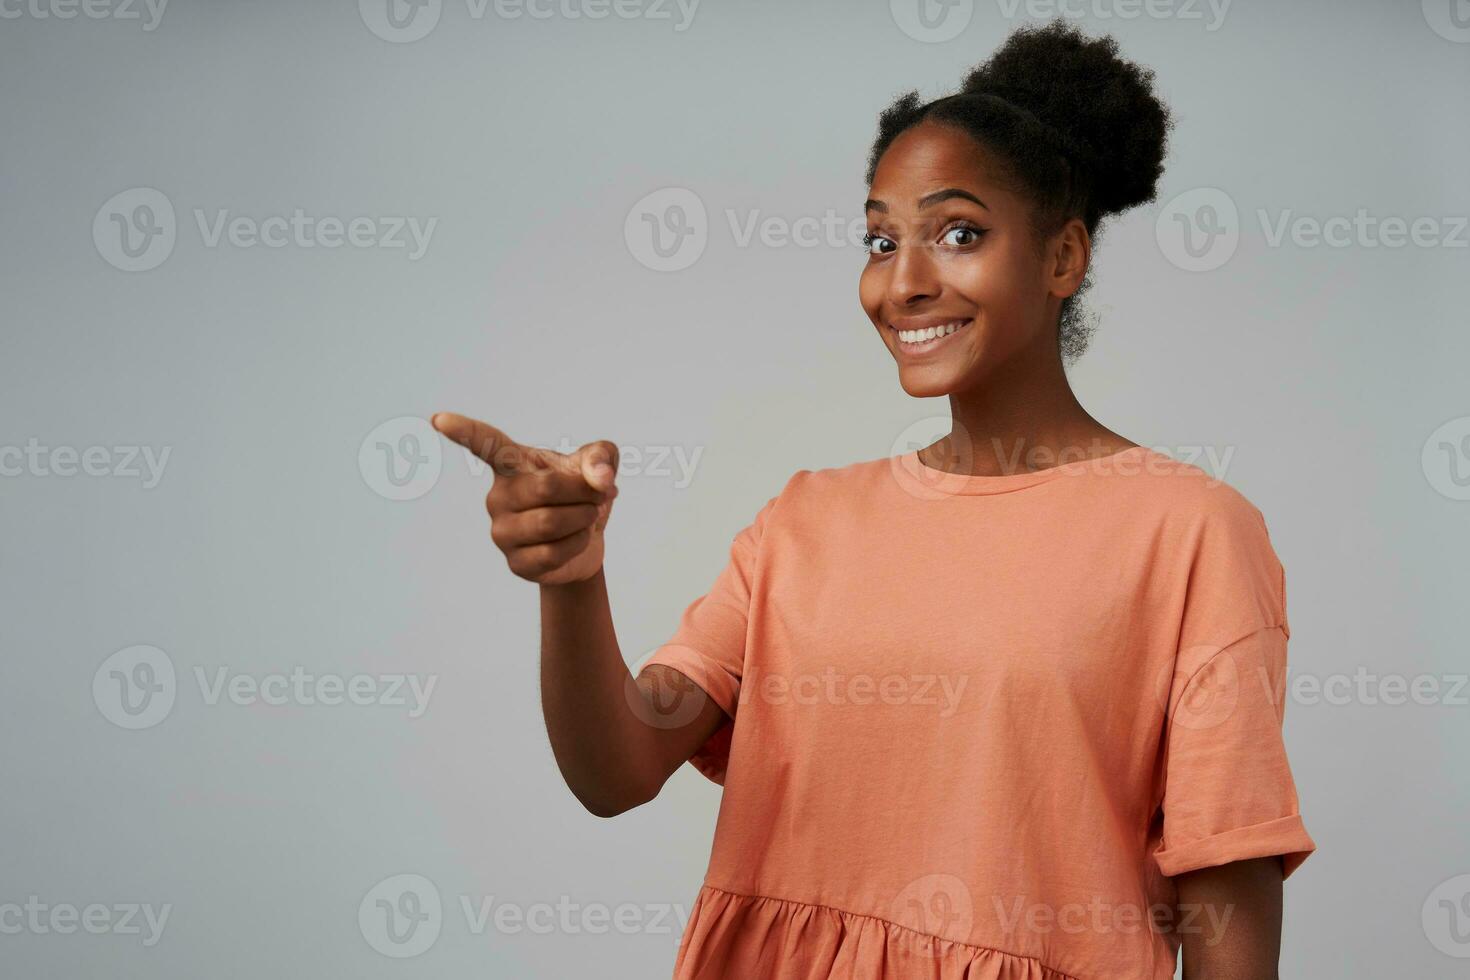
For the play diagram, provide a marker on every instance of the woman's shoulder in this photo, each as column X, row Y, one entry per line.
column 1191, row 486
column 835, row 482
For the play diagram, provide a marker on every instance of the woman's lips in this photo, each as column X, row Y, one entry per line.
column 921, row 339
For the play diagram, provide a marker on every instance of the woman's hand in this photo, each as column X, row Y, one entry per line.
column 547, row 509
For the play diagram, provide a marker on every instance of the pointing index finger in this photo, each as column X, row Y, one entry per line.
column 505, row 456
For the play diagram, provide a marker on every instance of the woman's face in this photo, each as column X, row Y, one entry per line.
column 951, row 248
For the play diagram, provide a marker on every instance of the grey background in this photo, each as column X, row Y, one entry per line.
column 1324, row 372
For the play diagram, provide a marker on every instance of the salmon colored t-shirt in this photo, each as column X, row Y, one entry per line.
column 977, row 722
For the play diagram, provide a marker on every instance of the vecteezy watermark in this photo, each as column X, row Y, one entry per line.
column 933, row 907
column 302, row 689
column 1211, row 12
column 136, row 230
column 669, row 229
column 39, row 918
column 932, row 21
column 1445, row 459
column 1208, row 696
column 1368, row 687
column 1200, row 230
column 834, row 688
column 669, row 699
column 406, row 21
column 1094, row 456
column 1211, row 695
column 403, row 916
column 135, row 687
column 143, row 463
column 1363, row 230
column 962, row 455
column 149, row 12
column 1450, row 19
column 1446, row 917
column 138, row 686
column 403, row 458
column 674, row 463
column 1099, row 916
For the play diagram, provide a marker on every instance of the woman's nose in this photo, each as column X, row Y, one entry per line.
column 914, row 277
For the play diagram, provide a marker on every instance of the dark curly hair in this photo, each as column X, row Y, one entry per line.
column 1071, row 125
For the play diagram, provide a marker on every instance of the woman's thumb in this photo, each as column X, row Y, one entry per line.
column 599, row 462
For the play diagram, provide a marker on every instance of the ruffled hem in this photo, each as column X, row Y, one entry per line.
column 737, row 936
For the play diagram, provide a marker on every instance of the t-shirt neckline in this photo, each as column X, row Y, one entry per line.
column 915, row 473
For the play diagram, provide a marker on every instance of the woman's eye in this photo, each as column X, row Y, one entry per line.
column 962, row 235
column 877, row 244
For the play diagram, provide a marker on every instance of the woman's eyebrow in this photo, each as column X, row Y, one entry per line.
column 949, row 192
column 929, row 200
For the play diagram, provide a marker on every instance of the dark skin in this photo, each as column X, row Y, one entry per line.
column 972, row 257
column 616, row 738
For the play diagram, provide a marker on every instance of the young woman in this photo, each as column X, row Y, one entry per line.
column 1007, row 706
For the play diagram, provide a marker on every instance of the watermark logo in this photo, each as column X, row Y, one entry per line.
column 569, row 917
column 39, row 918
column 135, row 230
column 831, row 230
column 1446, row 459
column 1205, row 698
column 401, row 459
column 938, row 905
column 672, row 698
column 135, row 687
column 1098, row 916
column 926, row 482
column 406, row 21
column 301, row 688
column 142, row 463
column 1362, row 230
column 1450, row 19
column 90, row 9
column 1106, row 10
column 658, row 462
column 1446, row 917
column 401, row 916
column 1199, row 230
column 833, row 688
column 1367, row 687
column 932, row 21
column 400, row 21
column 667, row 230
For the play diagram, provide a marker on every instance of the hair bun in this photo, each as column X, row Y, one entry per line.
column 1103, row 105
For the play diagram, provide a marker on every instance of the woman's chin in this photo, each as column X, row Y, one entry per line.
column 928, row 381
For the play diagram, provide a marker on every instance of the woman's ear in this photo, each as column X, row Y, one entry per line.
column 1067, row 258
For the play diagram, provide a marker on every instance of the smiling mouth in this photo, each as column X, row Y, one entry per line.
column 928, row 338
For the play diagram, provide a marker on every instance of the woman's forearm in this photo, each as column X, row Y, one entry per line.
column 1230, row 920
column 597, row 715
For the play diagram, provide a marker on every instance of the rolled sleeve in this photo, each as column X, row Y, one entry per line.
column 1228, row 790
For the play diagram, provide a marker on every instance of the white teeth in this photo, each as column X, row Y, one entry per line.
column 919, row 336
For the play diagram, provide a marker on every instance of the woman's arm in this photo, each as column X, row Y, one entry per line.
column 597, row 716
column 547, row 512
column 1230, row 920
